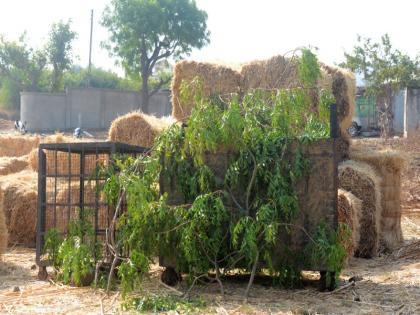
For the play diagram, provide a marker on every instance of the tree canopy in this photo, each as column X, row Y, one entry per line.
column 144, row 32
column 385, row 70
column 59, row 52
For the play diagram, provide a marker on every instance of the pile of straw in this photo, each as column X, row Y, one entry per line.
column 69, row 195
column 137, row 128
column 18, row 199
column 342, row 84
column 9, row 165
column 4, row 235
column 213, row 81
column 349, row 209
column 389, row 165
column 62, row 157
column 364, row 183
column 274, row 73
column 17, row 145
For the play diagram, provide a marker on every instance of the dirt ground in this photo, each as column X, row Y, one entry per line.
column 387, row 285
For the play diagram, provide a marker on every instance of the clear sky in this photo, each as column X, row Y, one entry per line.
column 241, row 30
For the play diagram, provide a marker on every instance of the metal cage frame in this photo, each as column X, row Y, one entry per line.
column 82, row 151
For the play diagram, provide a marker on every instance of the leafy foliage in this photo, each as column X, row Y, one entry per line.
column 385, row 70
column 157, row 304
column 232, row 172
column 74, row 257
column 59, row 52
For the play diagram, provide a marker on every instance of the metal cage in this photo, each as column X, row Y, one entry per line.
column 69, row 185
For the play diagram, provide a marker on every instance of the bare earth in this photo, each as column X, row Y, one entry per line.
column 388, row 284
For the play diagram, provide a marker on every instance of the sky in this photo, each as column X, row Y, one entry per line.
column 241, row 30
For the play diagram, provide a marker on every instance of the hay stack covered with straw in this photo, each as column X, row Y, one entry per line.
column 274, row 73
column 60, row 216
column 364, row 183
column 342, row 84
column 17, row 145
column 212, row 80
column 18, row 199
column 349, row 210
column 9, row 165
column 4, row 235
column 389, row 165
column 137, row 128
column 62, row 166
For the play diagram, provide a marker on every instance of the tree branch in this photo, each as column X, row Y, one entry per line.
column 157, row 87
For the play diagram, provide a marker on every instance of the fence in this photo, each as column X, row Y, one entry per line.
column 87, row 108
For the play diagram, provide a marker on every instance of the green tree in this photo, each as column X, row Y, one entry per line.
column 386, row 70
column 144, row 32
column 21, row 69
column 59, row 52
column 78, row 77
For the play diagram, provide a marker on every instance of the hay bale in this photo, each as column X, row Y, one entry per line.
column 4, row 235
column 215, row 80
column 18, row 199
column 363, row 182
column 342, row 84
column 389, row 165
column 9, row 165
column 68, row 204
column 137, row 128
column 274, row 73
column 62, row 167
column 17, row 145
column 349, row 210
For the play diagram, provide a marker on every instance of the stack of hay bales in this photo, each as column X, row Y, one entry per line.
column 137, row 128
column 9, row 165
column 213, row 80
column 274, row 73
column 17, row 145
column 363, row 182
column 349, row 209
column 389, row 165
column 18, row 201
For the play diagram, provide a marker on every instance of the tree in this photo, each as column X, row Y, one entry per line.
column 386, row 70
column 59, row 52
column 21, row 69
column 78, row 77
column 144, row 32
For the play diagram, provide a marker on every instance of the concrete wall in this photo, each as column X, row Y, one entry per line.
column 398, row 121
column 86, row 108
column 412, row 113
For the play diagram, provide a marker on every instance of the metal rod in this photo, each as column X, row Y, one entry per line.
column 90, row 49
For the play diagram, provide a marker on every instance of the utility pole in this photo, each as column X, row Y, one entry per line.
column 90, row 49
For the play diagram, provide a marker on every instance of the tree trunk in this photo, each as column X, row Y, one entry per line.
column 145, row 93
column 387, row 115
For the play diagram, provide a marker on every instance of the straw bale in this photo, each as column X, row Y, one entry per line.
column 364, row 183
column 62, row 166
column 68, row 204
column 274, row 73
column 389, row 164
column 4, row 235
column 216, row 80
column 349, row 209
column 17, row 145
column 139, row 129
column 19, row 203
column 343, row 86
column 9, row 165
